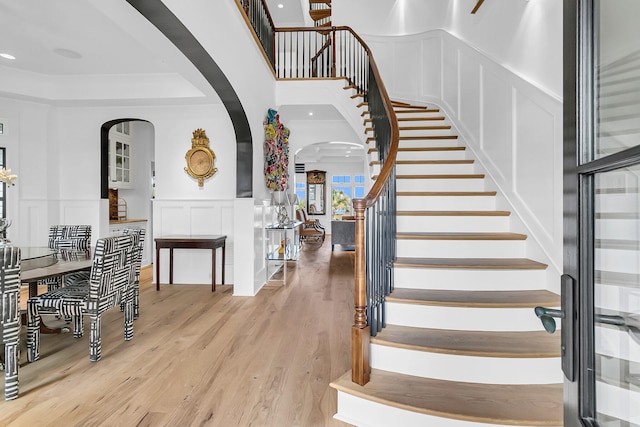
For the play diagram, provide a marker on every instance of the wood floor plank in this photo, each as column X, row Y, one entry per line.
column 203, row 358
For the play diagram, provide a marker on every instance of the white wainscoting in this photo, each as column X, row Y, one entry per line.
column 194, row 217
column 513, row 128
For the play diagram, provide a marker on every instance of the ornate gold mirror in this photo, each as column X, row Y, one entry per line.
column 316, row 181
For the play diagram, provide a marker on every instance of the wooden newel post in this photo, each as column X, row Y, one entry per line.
column 360, row 333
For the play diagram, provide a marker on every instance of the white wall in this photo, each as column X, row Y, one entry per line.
column 524, row 36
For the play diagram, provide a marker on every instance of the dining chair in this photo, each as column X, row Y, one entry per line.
column 10, row 317
column 139, row 234
column 71, row 238
column 110, row 283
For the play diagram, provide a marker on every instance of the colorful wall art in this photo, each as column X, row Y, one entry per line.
column 276, row 152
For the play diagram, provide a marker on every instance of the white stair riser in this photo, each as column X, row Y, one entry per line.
column 418, row 113
column 453, row 223
column 474, row 369
column 439, row 184
column 471, row 203
column 461, row 248
column 463, row 318
column 366, row 413
column 468, row 279
column 425, row 143
column 433, row 154
column 420, row 132
column 616, row 228
column 434, row 168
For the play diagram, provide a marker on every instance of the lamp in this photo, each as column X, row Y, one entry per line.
column 280, row 200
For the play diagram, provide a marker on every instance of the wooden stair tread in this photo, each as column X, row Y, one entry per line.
column 533, row 405
column 453, row 213
column 508, row 344
column 459, row 236
column 429, row 162
column 445, row 193
column 472, row 263
column 417, row 110
column 443, row 176
column 318, row 14
column 409, row 119
column 427, row 137
column 486, row 299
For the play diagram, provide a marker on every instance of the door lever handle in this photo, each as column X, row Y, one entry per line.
column 626, row 322
column 546, row 316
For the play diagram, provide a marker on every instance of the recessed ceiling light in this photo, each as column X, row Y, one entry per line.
column 311, row 113
column 7, row 56
column 67, row 53
column 280, row 5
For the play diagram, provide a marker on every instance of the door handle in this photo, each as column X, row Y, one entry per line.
column 568, row 317
column 626, row 322
column 546, row 316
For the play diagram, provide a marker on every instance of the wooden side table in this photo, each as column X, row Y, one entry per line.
column 190, row 242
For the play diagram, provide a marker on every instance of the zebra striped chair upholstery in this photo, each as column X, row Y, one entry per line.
column 10, row 317
column 139, row 234
column 110, row 284
column 71, row 238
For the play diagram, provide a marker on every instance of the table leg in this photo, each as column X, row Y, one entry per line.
column 157, row 268
column 223, row 254
column 213, row 270
column 170, row 266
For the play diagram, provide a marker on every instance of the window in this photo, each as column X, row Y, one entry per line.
column 301, row 192
column 343, row 189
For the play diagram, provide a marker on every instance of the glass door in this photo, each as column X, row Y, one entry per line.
column 602, row 209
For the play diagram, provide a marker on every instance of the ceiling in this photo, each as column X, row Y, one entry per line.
column 68, row 41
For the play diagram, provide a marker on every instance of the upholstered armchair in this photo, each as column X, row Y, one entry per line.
column 311, row 230
column 71, row 238
column 10, row 317
column 139, row 234
column 110, row 284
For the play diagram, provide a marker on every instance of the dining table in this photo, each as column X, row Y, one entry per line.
column 38, row 263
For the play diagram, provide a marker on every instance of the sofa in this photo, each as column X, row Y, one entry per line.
column 343, row 232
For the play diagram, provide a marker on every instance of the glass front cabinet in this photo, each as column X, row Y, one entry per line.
column 120, row 156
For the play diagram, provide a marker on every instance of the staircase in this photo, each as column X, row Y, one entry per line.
column 320, row 12
column 462, row 345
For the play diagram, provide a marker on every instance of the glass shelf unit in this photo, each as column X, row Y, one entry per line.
column 282, row 244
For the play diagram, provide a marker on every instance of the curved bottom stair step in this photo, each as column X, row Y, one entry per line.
column 530, row 405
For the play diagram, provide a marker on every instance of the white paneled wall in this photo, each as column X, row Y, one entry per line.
column 194, row 217
column 513, row 128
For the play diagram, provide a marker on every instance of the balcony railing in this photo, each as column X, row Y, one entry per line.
column 338, row 52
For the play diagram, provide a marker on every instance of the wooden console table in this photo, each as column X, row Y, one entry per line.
column 190, row 242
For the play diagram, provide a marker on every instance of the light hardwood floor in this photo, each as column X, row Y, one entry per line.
column 203, row 359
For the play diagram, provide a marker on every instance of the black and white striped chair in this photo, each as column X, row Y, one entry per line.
column 70, row 238
column 110, row 284
column 10, row 317
column 139, row 234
